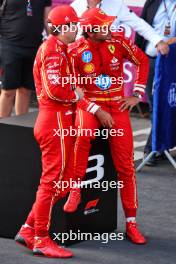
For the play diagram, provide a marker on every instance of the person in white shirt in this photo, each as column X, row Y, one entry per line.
column 164, row 24
column 119, row 9
column 161, row 14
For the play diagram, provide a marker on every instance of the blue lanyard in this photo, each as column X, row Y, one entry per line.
column 166, row 10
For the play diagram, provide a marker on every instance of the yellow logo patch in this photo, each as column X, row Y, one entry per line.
column 89, row 68
column 111, row 48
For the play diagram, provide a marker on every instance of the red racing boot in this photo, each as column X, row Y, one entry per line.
column 45, row 246
column 73, row 201
column 133, row 234
column 25, row 237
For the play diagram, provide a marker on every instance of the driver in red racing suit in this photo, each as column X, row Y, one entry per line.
column 56, row 105
column 100, row 55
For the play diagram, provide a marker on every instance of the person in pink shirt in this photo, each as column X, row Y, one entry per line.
column 61, row 2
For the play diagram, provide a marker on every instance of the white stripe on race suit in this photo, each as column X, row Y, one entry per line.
column 140, row 85
column 138, row 89
column 90, row 106
column 94, row 109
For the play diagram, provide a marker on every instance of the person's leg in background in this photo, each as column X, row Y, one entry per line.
column 11, row 64
column 1, row 71
column 84, row 120
column 7, row 98
column 20, row 97
column 22, row 101
column 149, row 86
column 149, row 93
column 23, row 95
column 55, row 156
column 17, row 79
column 122, row 154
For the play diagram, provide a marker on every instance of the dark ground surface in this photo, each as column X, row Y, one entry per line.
column 156, row 217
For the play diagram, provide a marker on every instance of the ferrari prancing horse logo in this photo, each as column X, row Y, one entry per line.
column 111, row 48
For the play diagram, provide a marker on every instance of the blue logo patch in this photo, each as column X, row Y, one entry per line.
column 172, row 95
column 103, row 81
column 87, row 56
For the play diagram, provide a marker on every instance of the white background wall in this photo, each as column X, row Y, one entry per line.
column 135, row 2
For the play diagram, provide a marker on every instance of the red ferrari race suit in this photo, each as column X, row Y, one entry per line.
column 55, row 113
column 102, row 66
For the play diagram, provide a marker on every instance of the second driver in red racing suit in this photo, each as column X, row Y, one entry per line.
column 99, row 58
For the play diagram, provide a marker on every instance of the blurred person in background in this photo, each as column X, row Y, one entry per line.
column 61, row 2
column 161, row 15
column 124, row 15
column 21, row 26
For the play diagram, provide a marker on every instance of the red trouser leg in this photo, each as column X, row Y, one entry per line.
column 122, row 154
column 84, row 120
column 56, row 152
column 31, row 218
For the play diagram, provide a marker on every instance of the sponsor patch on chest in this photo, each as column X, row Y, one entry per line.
column 114, row 64
column 87, row 56
column 89, row 68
